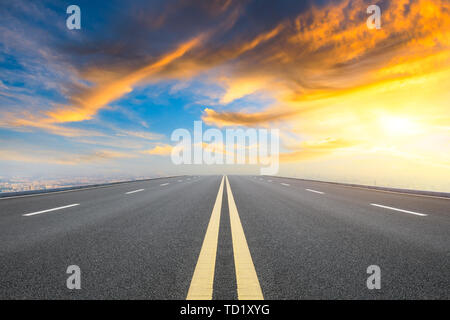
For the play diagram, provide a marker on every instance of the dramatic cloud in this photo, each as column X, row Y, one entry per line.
column 331, row 76
column 243, row 119
column 89, row 102
column 313, row 69
column 328, row 52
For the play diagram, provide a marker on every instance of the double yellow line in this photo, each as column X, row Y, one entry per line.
column 202, row 282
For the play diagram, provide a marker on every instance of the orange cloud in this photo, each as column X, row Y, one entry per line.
column 25, row 121
column 330, row 54
column 160, row 150
column 88, row 103
column 222, row 119
column 313, row 149
column 62, row 158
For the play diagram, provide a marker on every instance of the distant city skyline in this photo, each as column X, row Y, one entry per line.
column 20, row 184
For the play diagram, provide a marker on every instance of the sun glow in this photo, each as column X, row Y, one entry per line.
column 396, row 125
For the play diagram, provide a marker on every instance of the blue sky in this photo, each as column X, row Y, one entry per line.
column 105, row 99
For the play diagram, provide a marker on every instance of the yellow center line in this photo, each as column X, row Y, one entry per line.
column 201, row 287
column 248, row 287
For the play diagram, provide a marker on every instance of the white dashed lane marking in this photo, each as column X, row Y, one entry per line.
column 50, row 210
column 400, row 210
column 130, row 192
column 315, row 191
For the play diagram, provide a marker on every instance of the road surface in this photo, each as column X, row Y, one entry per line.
column 246, row 237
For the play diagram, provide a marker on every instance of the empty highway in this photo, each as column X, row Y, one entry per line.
column 215, row 237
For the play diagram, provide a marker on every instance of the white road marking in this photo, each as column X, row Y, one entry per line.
column 285, row 184
column 130, row 192
column 164, row 184
column 379, row 190
column 400, row 210
column 180, row 180
column 315, row 191
column 49, row 210
column 269, row 180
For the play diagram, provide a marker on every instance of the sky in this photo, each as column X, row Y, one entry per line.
column 353, row 104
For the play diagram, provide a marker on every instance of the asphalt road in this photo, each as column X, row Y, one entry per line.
column 274, row 238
